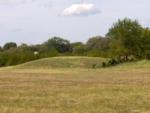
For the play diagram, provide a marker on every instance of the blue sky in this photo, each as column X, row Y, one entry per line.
column 34, row 21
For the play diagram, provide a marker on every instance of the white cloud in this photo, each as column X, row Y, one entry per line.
column 83, row 9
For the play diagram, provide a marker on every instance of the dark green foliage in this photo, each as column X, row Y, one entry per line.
column 59, row 44
column 45, row 51
column 14, row 57
column 146, row 43
column 97, row 46
column 126, row 36
column 98, row 42
column 10, row 45
column 111, row 62
column 118, row 60
column 104, row 64
column 78, row 48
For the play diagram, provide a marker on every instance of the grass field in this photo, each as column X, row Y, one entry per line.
column 65, row 62
column 45, row 86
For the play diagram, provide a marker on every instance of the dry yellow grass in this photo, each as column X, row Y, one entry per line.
column 120, row 89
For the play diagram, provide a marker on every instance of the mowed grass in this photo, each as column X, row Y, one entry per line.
column 120, row 89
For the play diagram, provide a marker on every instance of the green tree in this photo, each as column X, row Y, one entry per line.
column 23, row 47
column 98, row 42
column 10, row 45
column 46, row 51
column 61, row 45
column 78, row 48
column 146, row 43
column 97, row 46
column 126, row 36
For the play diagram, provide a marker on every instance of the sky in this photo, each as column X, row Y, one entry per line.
column 35, row 21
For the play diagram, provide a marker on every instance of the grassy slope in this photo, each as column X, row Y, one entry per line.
column 65, row 62
column 121, row 89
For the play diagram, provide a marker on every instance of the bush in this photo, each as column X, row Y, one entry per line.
column 113, row 62
column 118, row 60
column 10, row 45
column 104, row 64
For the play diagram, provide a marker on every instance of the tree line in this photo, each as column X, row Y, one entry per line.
column 125, row 40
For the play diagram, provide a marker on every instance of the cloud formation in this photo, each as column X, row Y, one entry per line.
column 83, row 9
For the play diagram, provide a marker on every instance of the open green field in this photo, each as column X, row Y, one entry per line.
column 70, row 85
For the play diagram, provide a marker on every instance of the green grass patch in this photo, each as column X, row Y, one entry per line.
column 65, row 62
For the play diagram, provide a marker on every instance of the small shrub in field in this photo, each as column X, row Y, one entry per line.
column 112, row 62
column 104, row 64
column 94, row 66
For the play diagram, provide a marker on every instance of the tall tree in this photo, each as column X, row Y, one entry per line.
column 61, row 45
column 126, row 36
